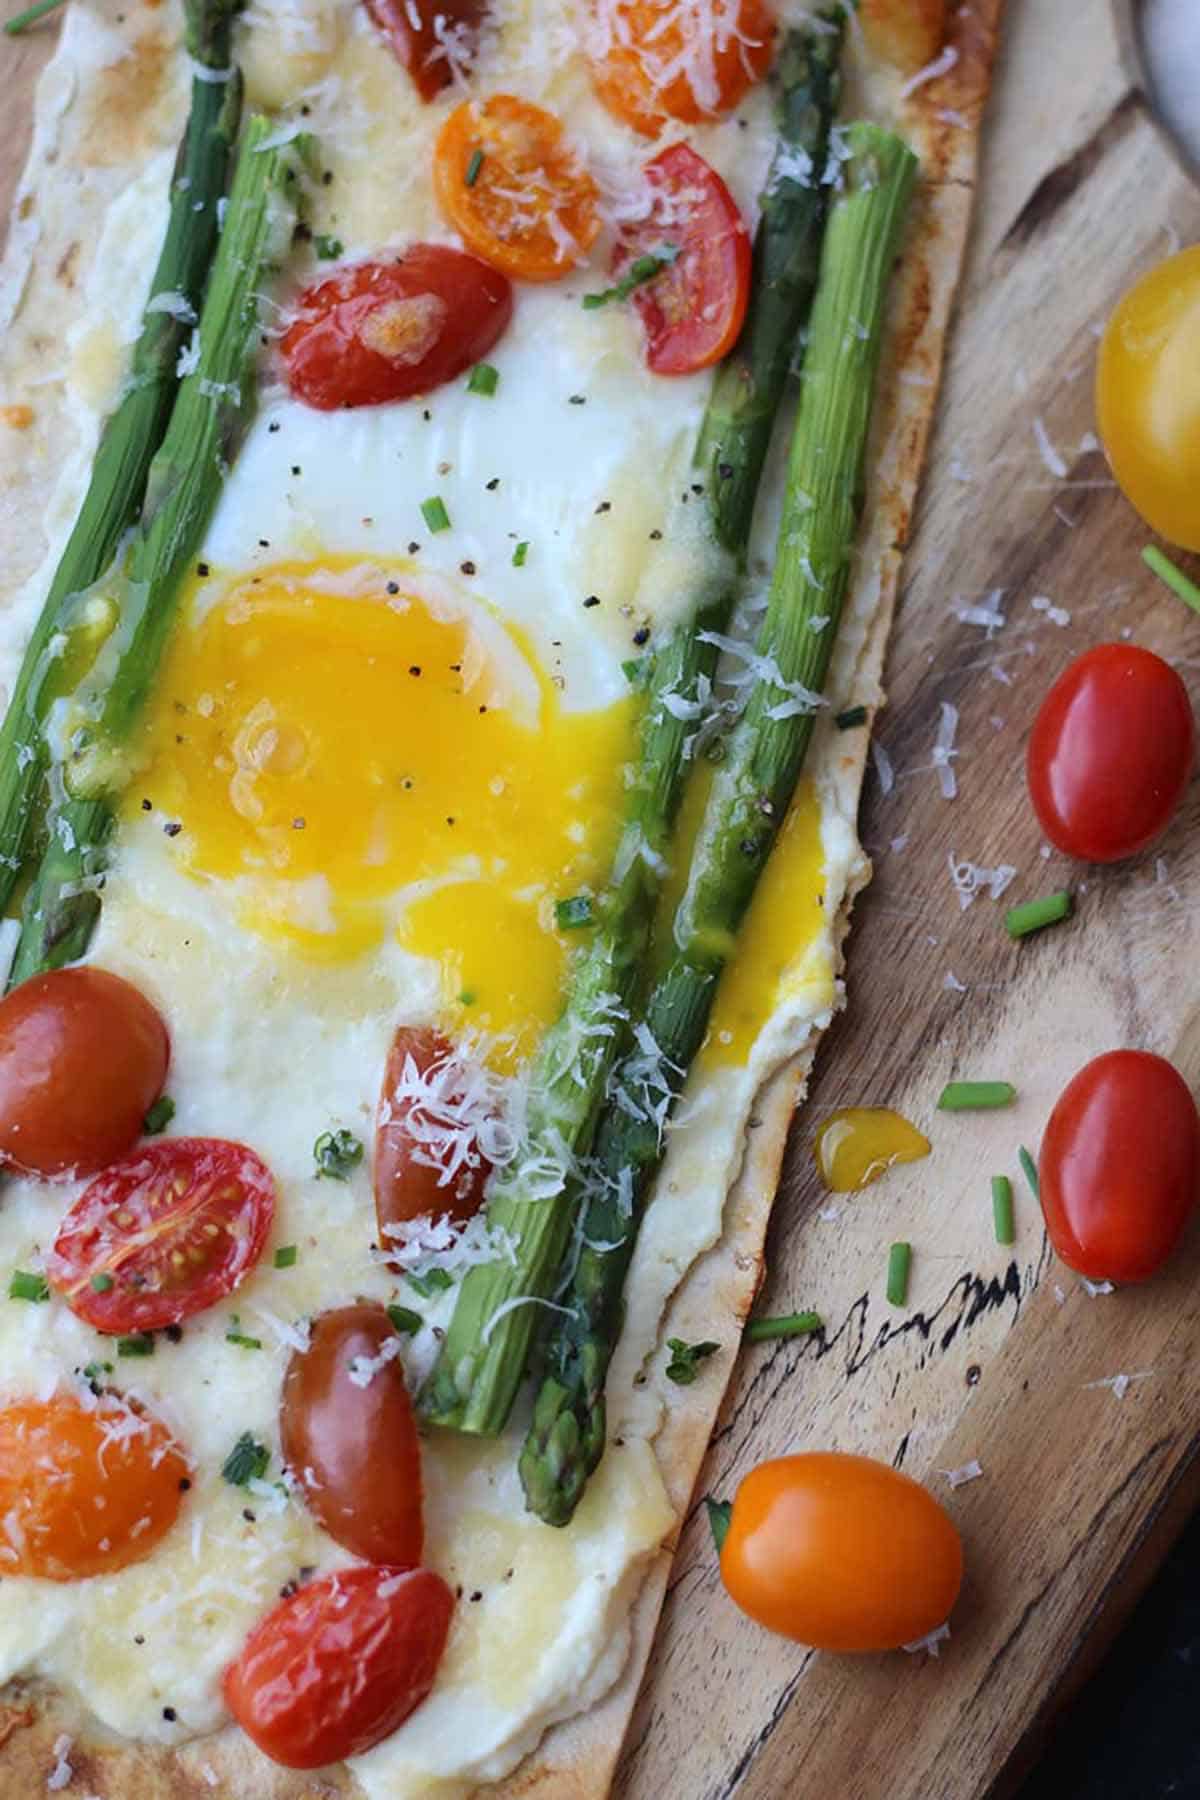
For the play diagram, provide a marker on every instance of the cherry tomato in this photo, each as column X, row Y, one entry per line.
column 429, row 38
column 169, row 1230
column 841, row 1552
column 427, row 1162
column 84, row 1489
column 1148, row 397
column 1119, row 1169
column 338, row 1666
column 692, row 311
column 654, row 60
column 509, row 182
column 386, row 331
column 349, row 1436
column 1111, row 753
column 83, row 1056
column 906, row 33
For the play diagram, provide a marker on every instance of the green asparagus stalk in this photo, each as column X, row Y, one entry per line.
column 131, row 435
column 129, row 613
column 501, row 1304
column 751, row 792
column 787, row 247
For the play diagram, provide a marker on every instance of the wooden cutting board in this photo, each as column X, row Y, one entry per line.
column 1001, row 1357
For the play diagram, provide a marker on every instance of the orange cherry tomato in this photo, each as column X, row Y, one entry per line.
column 166, row 1232
column 83, row 1056
column 1119, row 1170
column 84, row 1489
column 430, row 38
column 338, row 1666
column 386, row 331
column 654, row 60
column 509, row 182
column 426, row 1163
column 349, row 1436
column 841, row 1552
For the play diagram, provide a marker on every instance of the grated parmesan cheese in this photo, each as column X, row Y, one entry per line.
column 970, row 1471
column 941, row 65
column 971, row 879
column 944, row 751
column 62, row 1772
column 1049, row 455
column 930, row 1642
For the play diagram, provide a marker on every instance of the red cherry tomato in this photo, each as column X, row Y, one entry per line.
column 83, row 1056
column 1111, row 753
column 1119, row 1169
column 349, row 1436
column 693, row 310
column 427, row 1158
column 429, row 38
column 338, row 1666
column 385, row 331
column 169, row 1230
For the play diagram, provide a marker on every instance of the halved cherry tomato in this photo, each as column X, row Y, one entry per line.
column 349, row 1436
column 906, row 33
column 692, row 60
column 430, row 38
column 693, row 310
column 385, row 331
column 841, row 1552
column 1119, row 1169
column 427, row 1156
column 83, row 1056
column 338, row 1666
column 1111, row 753
column 84, row 1489
column 1148, row 396
column 169, row 1230
column 508, row 180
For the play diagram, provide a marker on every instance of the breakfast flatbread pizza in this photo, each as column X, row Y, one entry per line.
column 457, row 459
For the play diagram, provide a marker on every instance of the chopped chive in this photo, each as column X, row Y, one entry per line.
column 1002, row 1210
column 404, row 1318
column 484, row 379
column 1029, row 1168
column 93, row 1370
column 520, row 553
column 434, row 513
column 976, row 1096
column 473, row 167
column 1035, row 915
column 236, row 1336
column 26, row 1286
column 642, row 269
column 101, row 1283
column 570, row 914
column 719, row 1514
column 285, row 1256
column 433, row 1281
column 685, row 1361
column 1175, row 578
column 853, row 715
column 29, row 16
column 787, row 1325
column 138, row 1343
column 336, row 1153
column 247, row 1461
column 899, row 1264
column 467, row 997
column 327, row 248
column 159, row 1116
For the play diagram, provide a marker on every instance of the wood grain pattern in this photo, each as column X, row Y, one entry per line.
column 1080, row 1489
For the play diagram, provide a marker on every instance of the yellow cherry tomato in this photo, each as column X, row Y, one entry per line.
column 1148, row 397
column 841, row 1552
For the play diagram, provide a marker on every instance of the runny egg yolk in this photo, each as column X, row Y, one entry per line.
column 356, row 759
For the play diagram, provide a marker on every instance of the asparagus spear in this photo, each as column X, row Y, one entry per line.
column 474, row 1382
column 749, row 799
column 131, row 611
column 133, row 432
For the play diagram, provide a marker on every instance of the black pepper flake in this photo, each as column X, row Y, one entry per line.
column 426, row 414
column 146, row 806
column 202, row 568
column 655, row 535
column 288, row 1589
column 295, row 468
column 414, row 668
column 476, row 1596
column 139, row 1639
column 173, row 1334
column 412, row 551
column 327, row 178
column 392, row 587
column 642, row 635
column 449, row 819
column 592, row 600
column 170, row 1715
column 468, row 568
column 697, row 487
column 273, row 426
column 264, row 543
column 577, row 400
column 483, row 709
column 604, row 506
column 250, row 1517
column 493, row 484
column 185, row 1482
column 172, row 828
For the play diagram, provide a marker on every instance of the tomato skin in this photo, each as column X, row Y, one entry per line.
column 338, row 1666
column 83, row 1057
column 408, row 25
column 378, row 332
column 411, row 1181
column 74, row 1503
column 1148, row 397
column 1111, row 753
column 841, row 1552
column 693, row 310
column 174, row 1226
column 353, row 1448
column 638, row 50
column 1119, row 1169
